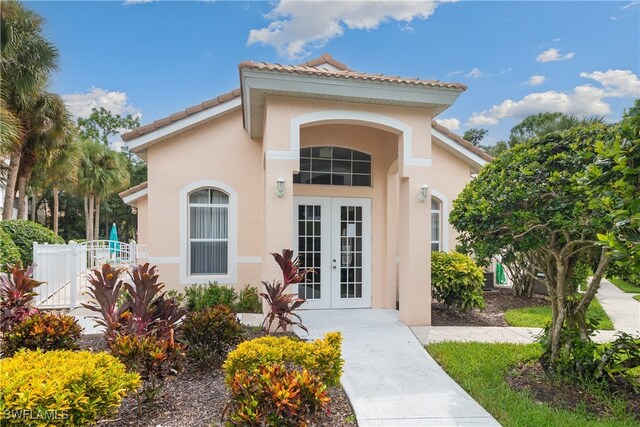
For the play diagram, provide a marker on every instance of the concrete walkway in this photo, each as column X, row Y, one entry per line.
column 389, row 377
column 623, row 310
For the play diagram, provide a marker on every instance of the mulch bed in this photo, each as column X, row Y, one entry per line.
column 531, row 378
column 197, row 398
column 497, row 302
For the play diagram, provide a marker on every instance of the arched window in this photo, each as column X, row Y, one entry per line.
column 436, row 224
column 334, row 166
column 208, row 232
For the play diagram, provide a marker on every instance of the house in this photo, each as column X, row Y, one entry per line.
column 347, row 168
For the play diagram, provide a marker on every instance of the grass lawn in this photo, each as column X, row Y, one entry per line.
column 539, row 316
column 625, row 286
column 481, row 368
column 637, row 298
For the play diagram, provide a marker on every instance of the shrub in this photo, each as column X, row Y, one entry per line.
column 199, row 297
column 16, row 296
column 68, row 388
column 151, row 357
column 9, row 253
column 321, row 357
column 282, row 303
column 141, row 330
column 456, row 281
column 248, row 300
column 24, row 233
column 210, row 334
column 45, row 331
column 275, row 396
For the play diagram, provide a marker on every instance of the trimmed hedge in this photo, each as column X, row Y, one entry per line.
column 456, row 281
column 62, row 388
column 24, row 233
column 9, row 253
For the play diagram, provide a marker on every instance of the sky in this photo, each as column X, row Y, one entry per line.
column 154, row 58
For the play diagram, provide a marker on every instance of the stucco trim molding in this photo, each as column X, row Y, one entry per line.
column 164, row 259
column 232, row 272
column 132, row 198
column 445, row 218
column 458, row 149
column 375, row 120
column 249, row 260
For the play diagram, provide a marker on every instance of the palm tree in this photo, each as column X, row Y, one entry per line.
column 52, row 128
column 10, row 130
column 26, row 61
column 102, row 172
column 58, row 171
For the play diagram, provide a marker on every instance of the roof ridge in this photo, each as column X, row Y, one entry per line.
column 460, row 140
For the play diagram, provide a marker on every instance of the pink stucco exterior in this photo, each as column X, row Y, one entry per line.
column 219, row 152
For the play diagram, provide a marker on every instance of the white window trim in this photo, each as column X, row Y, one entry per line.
column 444, row 219
column 183, row 200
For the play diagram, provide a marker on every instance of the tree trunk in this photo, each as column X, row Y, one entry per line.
column 54, row 212
column 96, row 229
column 22, row 197
column 12, row 177
column 91, row 215
column 87, row 227
column 34, row 208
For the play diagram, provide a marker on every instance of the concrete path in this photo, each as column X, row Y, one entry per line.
column 389, row 377
column 623, row 310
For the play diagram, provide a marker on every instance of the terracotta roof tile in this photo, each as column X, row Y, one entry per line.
column 480, row 152
column 326, row 59
column 133, row 189
column 347, row 74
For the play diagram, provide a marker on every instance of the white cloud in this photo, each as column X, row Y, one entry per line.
column 454, row 73
column 476, row 73
column 296, row 26
column 80, row 104
column 536, row 80
column 451, row 124
column 630, row 5
column 582, row 100
column 128, row 2
column 553, row 54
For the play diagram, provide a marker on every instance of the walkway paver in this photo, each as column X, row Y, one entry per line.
column 389, row 377
column 623, row 310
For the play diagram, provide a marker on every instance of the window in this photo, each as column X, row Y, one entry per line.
column 334, row 166
column 208, row 232
column 436, row 224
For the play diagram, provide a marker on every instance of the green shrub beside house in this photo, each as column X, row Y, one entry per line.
column 23, row 233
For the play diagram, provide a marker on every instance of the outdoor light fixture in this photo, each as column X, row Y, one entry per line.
column 280, row 187
column 424, row 191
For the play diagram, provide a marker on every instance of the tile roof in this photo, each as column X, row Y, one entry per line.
column 347, row 74
column 133, row 189
column 142, row 130
column 466, row 144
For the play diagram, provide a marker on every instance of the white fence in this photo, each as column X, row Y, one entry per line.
column 64, row 268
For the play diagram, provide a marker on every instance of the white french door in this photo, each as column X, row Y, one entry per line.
column 333, row 237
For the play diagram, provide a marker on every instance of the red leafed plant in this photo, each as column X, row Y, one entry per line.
column 105, row 289
column 281, row 303
column 16, row 296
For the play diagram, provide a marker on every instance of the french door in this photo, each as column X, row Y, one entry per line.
column 333, row 237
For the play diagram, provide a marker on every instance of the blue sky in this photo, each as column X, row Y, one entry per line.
column 517, row 58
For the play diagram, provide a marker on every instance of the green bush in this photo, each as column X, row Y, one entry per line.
column 248, row 300
column 61, row 388
column 9, row 253
column 24, row 233
column 199, row 297
column 456, row 281
column 321, row 357
column 210, row 334
column 275, row 395
column 44, row 331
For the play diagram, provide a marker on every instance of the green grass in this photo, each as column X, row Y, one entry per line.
column 539, row 316
column 480, row 369
column 637, row 298
column 625, row 286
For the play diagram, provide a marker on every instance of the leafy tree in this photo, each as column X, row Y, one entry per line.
column 541, row 124
column 533, row 199
column 616, row 176
column 475, row 136
column 494, row 150
column 26, row 61
column 102, row 124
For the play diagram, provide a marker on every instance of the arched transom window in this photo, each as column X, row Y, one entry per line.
column 334, row 166
column 208, row 232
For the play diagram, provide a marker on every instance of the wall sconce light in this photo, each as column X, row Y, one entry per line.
column 280, row 187
column 424, row 192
